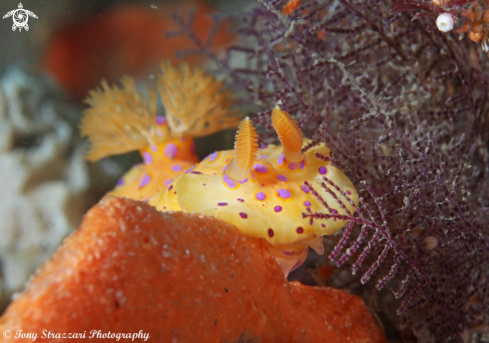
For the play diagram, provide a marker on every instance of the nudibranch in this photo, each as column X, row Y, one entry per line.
column 121, row 119
column 265, row 191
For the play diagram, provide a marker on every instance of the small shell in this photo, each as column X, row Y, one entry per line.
column 445, row 22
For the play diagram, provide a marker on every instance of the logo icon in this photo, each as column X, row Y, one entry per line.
column 20, row 17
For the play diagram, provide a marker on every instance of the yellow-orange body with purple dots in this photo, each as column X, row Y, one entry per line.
column 264, row 192
column 162, row 163
column 269, row 200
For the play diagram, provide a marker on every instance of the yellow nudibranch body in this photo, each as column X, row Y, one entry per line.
column 264, row 192
column 267, row 203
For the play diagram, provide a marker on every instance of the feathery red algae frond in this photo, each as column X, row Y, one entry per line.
column 246, row 144
column 195, row 103
column 288, row 132
column 120, row 120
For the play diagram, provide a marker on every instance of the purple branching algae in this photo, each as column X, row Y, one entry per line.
column 405, row 113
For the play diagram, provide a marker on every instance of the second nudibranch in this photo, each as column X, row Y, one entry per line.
column 265, row 191
column 121, row 119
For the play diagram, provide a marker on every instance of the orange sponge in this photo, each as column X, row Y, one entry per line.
column 177, row 277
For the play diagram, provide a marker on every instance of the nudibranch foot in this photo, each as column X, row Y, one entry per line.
column 291, row 256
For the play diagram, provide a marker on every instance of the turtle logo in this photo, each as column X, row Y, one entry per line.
column 20, row 16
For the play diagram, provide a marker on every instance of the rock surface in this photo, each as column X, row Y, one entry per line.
column 43, row 177
column 179, row 278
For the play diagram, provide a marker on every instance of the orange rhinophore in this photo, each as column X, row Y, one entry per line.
column 245, row 150
column 289, row 133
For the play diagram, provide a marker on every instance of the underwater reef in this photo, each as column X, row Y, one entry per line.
column 396, row 94
column 404, row 109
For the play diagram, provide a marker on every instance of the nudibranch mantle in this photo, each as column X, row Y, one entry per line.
column 266, row 195
column 270, row 203
column 163, row 163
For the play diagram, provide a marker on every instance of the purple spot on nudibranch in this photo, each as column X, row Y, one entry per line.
column 335, row 211
column 225, row 178
column 270, row 232
column 299, row 230
column 170, row 188
column 305, row 189
column 176, row 168
column 144, row 181
column 261, row 196
column 148, row 158
column 243, row 181
column 196, row 172
column 282, row 177
column 212, row 156
column 252, row 175
column 263, row 156
column 222, row 203
column 240, row 200
column 154, row 148
column 323, row 225
column 307, row 203
column 348, row 192
column 277, row 208
column 263, row 146
column 283, row 193
column 243, row 215
column 190, row 169
column 292, row 166
column 226, row 160
column 260, row 168
column 171, row 151
column 120, row 182
column 280, row 160
column 167, row 182
column 301, row 165
column 323, row 170
column 231, row 183
column 289, row 253
column 160, row 120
